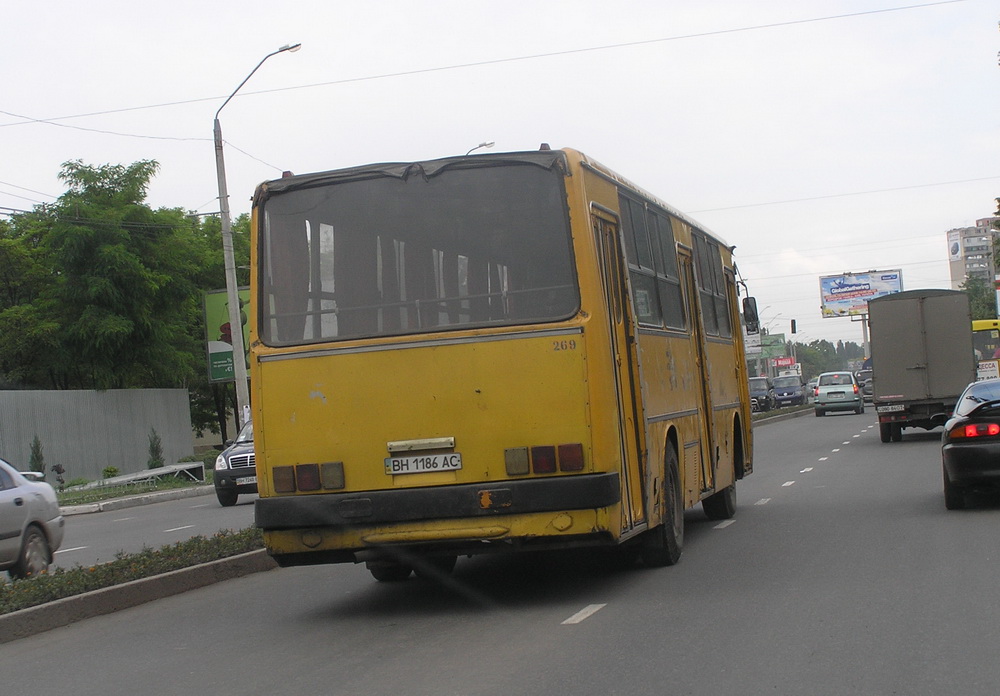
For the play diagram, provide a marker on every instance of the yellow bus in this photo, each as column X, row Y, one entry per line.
column 495, row 352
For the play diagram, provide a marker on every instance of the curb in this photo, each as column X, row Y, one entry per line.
column 62, row 612
column 780, row 417
column 135, row 500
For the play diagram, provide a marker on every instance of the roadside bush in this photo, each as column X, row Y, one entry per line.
column 109, row 472
column 36, row 461
column 155, row 460
column 61, row 583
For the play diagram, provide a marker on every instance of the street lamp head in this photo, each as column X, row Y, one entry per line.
column 291, row 48
column 484, row 144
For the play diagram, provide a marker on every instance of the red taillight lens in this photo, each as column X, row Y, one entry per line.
column 975, row 430
column 571, row 457
column 307, row 477
column 855, row 389
column 543, row 460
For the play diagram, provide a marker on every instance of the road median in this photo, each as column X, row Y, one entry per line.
column 62, row 612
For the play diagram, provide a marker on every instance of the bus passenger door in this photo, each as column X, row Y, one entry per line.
column 623, row 346
column 706, row 459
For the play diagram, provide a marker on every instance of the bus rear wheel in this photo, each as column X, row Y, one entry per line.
column 721, row 505
column 434, row 567
column 388, row 571
column 663, row 544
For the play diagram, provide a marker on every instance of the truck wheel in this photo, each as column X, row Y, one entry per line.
column 884, row 433
column 897, row 432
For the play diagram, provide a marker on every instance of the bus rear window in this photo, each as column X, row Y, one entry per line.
column 374, row 255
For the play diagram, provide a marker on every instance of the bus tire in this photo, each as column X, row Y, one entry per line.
column 662, row 545
column 721, row 505
column 388, row 571
column 434, row 567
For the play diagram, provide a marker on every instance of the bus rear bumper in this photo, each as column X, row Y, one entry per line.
column 471, row 500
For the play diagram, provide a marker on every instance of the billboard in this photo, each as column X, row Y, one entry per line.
column 218, row 334
column 848, row 294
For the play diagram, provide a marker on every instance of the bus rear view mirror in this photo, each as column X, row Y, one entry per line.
column 750, row 318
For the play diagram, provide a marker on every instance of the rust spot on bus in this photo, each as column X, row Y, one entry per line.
column 495, row 498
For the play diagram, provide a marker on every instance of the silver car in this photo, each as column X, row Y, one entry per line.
column 838, row 391
column 31, row 526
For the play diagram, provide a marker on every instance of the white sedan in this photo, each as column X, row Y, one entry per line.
column 31, row 526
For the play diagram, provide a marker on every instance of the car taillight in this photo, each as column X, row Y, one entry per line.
column 974, row 430
column 855, row 389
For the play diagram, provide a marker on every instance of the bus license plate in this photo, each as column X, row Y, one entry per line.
column 452, row 461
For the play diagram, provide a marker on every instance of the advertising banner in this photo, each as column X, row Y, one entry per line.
column 218, row 334
column 848, row 294
column 954, row 245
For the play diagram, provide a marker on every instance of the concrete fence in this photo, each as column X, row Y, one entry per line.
column 86, row 431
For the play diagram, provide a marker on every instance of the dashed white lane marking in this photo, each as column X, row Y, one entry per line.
column 584, row 613
column 763, row 501
column 787, row 483
column 823, row 459
column 835, row 450
column 858, row 435
column 75, row 548
column 193, row 507
column 847, row 442
column 177, row 529
column 123, row 519
column 723, row 525
column 806, row 470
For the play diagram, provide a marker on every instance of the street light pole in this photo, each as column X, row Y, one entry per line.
column 232, row 293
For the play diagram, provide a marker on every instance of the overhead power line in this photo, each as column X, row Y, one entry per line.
column 498, row 61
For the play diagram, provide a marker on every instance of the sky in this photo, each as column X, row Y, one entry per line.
column 817, row 136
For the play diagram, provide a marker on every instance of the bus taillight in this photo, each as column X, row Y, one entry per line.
column 543, row 459
column 571, row 457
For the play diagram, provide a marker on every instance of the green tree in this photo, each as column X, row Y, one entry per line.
column 100, row 291
column 982, row 299
column 155, row 460
column 37, row 460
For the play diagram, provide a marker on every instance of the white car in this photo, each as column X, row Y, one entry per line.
column 31, row 525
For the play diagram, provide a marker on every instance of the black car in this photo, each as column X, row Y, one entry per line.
column 761, row 394
column 236, row 468
column 970, row 444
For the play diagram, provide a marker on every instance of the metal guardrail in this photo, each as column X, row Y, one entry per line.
column 195, row 471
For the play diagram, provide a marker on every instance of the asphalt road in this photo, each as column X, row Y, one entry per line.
column 842, row 573
column 98, row 537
